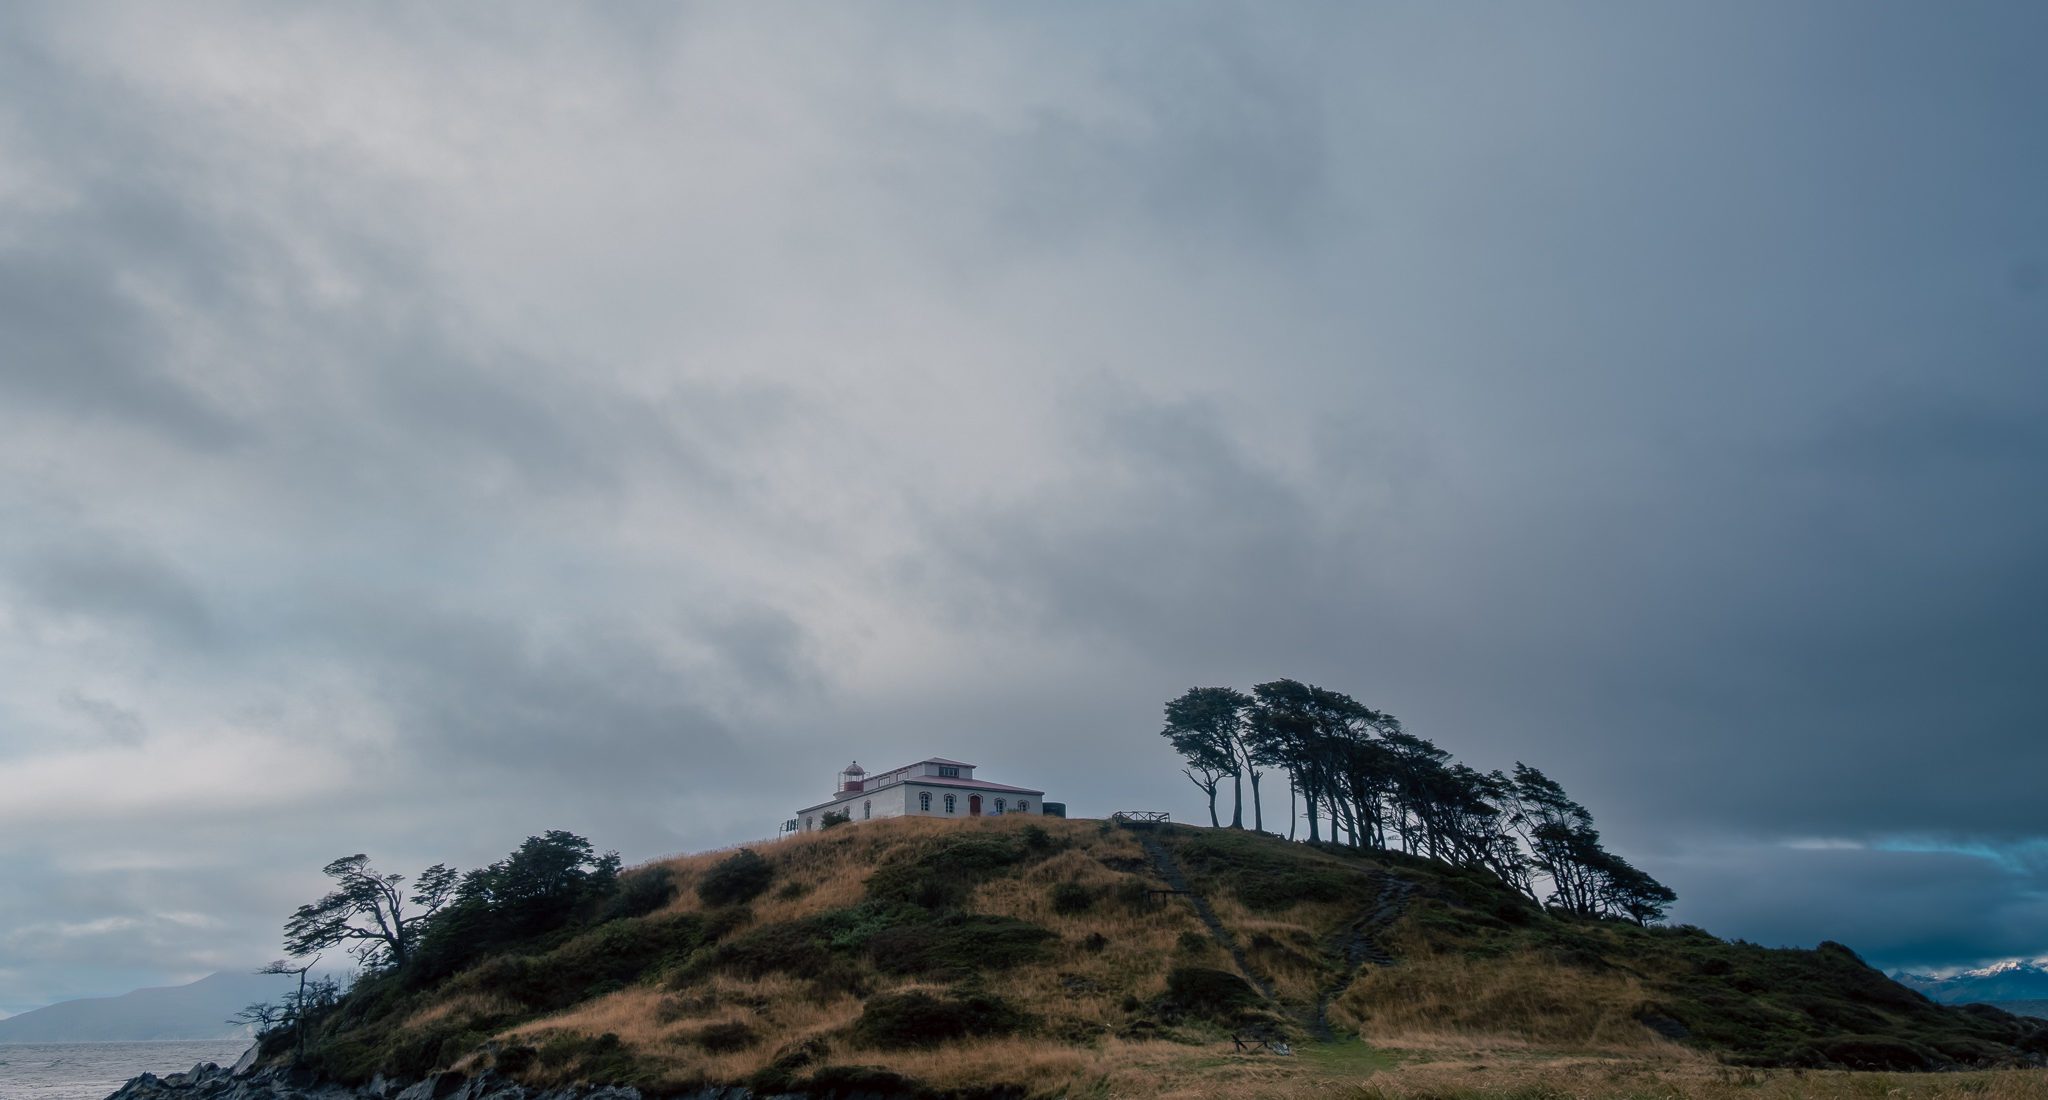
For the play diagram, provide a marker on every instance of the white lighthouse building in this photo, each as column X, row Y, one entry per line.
column 936, row 787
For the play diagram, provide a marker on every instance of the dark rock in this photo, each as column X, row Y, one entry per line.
column 210, row 1082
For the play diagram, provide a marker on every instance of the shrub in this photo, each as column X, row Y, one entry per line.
column 834, row 818
column 720, row 923
column 514, row 1060
column 739, row 877
column 960, row 944
column 1278, row 888
column 609, row 957
column 1215, row 994
column 640, row 893
column 1071, row 897
column 943, row 874
column 726, row 1037
column 1134, row 895
column 790, row 947
column 420, row 1052
column 859, row 1082
column 595, row 1058
column 897, row 1021
column 851, row 928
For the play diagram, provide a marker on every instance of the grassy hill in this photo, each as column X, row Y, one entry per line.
column 1015, row 956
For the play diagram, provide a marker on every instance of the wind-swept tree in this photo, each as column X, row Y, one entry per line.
column 1383, row 787
column 1628, row 892
column 1585, row 877
column 1207, row 726
column 368, row 911
column 259, row 1017
column 539, row 885
column 1307, row 730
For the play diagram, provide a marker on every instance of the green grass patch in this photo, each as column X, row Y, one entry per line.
column 1346, row 1057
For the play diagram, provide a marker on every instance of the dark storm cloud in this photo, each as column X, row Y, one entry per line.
column 590, row 700
column 420, row 428
column 1906, row 908
column 106, row 578
column 72, row 344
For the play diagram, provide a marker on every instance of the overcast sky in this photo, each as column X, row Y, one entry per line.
column 422, row 426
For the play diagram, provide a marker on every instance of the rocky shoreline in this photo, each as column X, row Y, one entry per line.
column 207, row 1081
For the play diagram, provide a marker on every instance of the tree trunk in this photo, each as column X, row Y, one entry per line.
column 1315, row 824
column 1258, row 814
column 1213, row 823
column 1237, row 799
column 1293, row 812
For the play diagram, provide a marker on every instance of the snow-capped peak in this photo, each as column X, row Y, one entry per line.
column 2009, row 966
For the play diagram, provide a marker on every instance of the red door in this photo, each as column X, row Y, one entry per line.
column 974, row 805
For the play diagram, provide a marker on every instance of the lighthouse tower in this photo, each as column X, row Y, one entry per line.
column 852, row 778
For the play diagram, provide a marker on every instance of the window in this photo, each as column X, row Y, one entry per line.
column 949, row 803
column 867, row 810
column 1023, row 807
column 924, row 801
column 807, row 824
column 949, row 772
column 999, row 805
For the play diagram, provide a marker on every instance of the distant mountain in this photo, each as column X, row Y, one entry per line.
column 199, row 1010
column 2006, row 981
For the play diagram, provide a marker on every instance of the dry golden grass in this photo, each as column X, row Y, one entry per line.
column 658, row 1026
column 465, row 1009
column 1284, row 947
column 1137, row 941
column 1440, row 1026
column 826, row 871
column 1074, row 986
column 1430, row 1000
column 1552, row 1077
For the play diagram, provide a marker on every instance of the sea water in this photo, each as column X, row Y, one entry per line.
column 89, row 1071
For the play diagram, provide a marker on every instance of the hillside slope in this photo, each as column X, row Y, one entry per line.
column 1056, row 956
column 196, row 1010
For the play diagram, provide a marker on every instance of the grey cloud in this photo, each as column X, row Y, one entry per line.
column 116, row 722
column 78, row 347
column 617, row 420
column 482, row 693
column 111, row 578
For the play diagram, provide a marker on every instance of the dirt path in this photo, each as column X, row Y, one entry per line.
column 1359, row 944
column 1169, row 869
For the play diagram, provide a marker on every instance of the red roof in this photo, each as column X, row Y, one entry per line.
column 929, row 780
column 977, row 784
